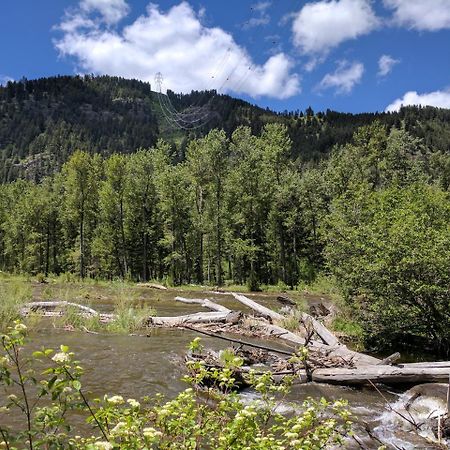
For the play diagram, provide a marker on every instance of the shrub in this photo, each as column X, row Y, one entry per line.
column 390, row 251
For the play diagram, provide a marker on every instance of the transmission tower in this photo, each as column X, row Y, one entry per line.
column 159, row 81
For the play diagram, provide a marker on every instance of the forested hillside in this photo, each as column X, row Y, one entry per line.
column 42, row 122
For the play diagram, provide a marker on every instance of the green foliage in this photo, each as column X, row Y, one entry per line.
column 13, row 293
column 196, row 418
column 390, row 250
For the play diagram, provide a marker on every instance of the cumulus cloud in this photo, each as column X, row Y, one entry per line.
column 385, row 64
column 318, row 27
column 344, row 78
column 429, row 15
column 176, row 43
column 440, row 99
column 4, row 79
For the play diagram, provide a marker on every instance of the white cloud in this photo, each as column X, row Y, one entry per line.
column 385, row 64
column 320, row 26
column 344, row 78
column 440, row 99
column 261, row 17
column 112, row 11
column 176, row 43
column 261, row 6
column 4, row 79
column 429, row 15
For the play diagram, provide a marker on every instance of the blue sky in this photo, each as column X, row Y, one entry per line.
column 346, row 55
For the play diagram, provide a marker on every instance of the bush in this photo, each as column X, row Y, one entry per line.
column 390, row 251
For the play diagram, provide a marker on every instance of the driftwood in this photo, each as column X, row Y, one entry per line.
column 153, row 286
column 285, row 300
column 380, row 374
column 57, row 309
column 51, row 305
column 391, row 359
column 325, row 334
column 203, row 302
column 321, row 330
column 419, row 365
column 335, row 350
column 260, row 309
column 198, row 318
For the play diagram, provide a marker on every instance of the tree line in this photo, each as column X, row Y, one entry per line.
column 375, row 213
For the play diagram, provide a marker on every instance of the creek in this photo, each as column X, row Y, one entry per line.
column 137, row 366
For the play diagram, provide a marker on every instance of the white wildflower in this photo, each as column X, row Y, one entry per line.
column 133, row 403
column 103, row 445
column 119, row 428
column 61, row 357
column 20, row 327
column 115, row 400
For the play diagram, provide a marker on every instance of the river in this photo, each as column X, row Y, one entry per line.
column 137, row 366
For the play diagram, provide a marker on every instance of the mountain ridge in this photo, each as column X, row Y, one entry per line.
column 43, row 121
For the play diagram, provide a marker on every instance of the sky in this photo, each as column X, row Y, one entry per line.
column 346, row 55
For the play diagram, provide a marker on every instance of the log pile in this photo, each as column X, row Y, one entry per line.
column 327, row 361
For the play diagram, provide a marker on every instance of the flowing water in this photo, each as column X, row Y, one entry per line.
column 137, row 366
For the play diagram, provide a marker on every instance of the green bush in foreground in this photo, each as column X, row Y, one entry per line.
column 197, row 418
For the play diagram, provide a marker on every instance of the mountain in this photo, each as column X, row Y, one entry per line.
column 43, row 121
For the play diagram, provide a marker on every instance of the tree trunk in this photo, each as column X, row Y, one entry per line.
column 124, row 246
column 219, row 233
column 144, row 244
column 380, row 374
column 82, row 274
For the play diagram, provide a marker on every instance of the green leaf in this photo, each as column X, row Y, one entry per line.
column 52, row 381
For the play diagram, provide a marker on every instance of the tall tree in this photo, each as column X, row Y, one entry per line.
column 81, row 175
column 143, row 228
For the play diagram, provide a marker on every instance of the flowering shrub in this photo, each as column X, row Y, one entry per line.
column 197, row 418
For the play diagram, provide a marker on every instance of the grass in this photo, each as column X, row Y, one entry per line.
column 292, row 322
column 130, row 317
column 15, row 290
column 13, row 293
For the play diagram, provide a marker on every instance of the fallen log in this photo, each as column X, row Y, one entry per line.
column 391, row 359
column 56, row 309
column 380, row 374
column 52, row 305
column 285, row 300
column 340, row 351
column 153, row 286
column 326, row 335
column 198, row 318
column 337, row 350
column 203, row 302
column 260, row 309
column 432, row 364
column 321, row 330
